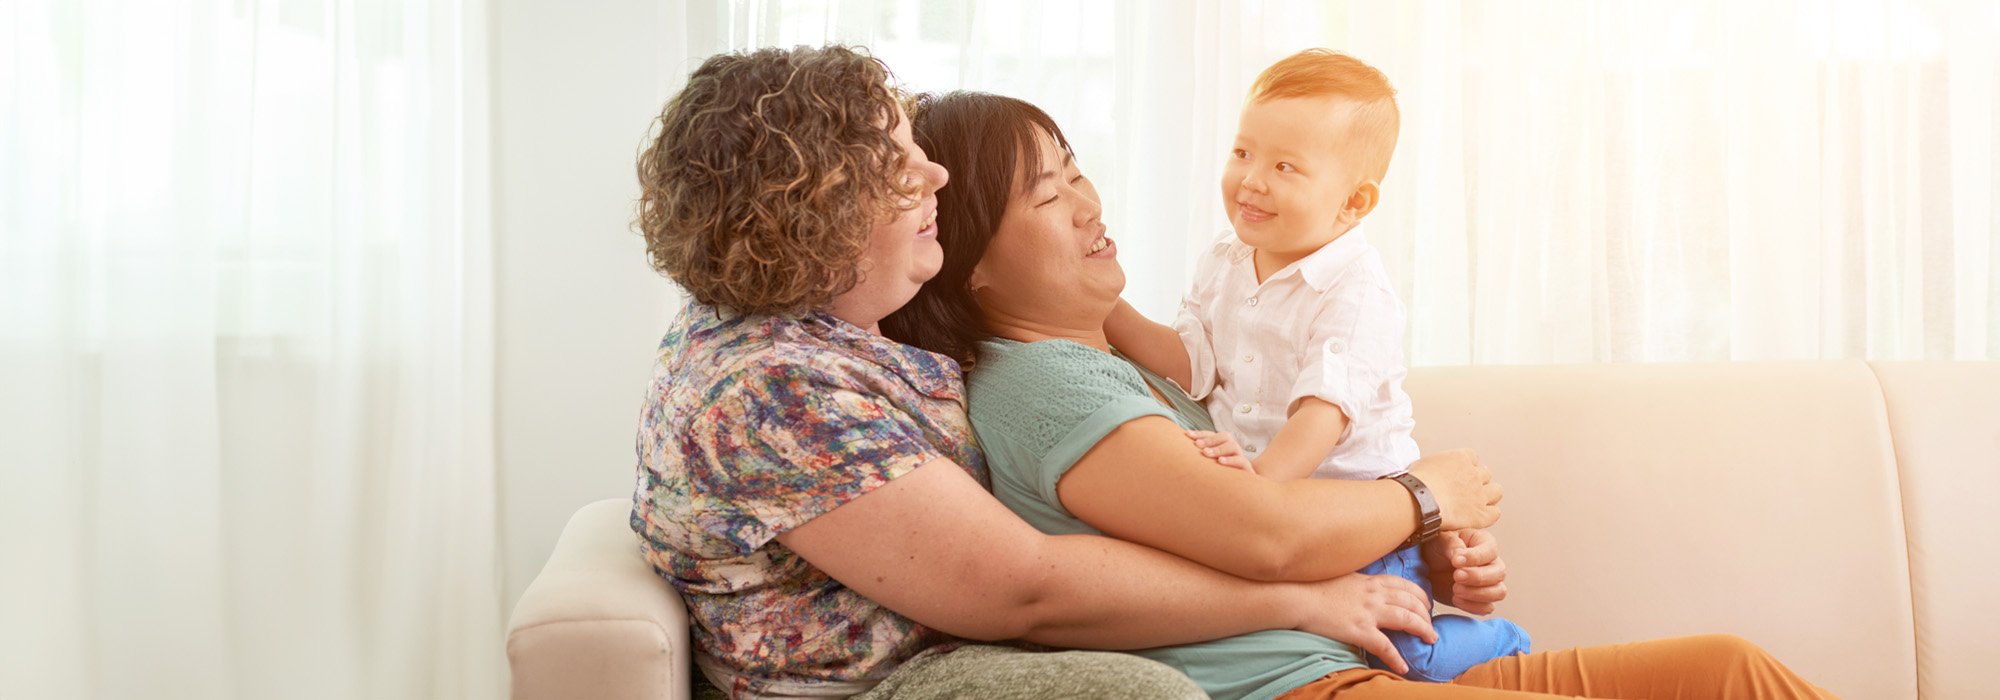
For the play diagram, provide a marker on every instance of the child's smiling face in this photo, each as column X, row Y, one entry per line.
column 1290, row 187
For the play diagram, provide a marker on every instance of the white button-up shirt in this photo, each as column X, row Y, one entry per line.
column 1328, row 326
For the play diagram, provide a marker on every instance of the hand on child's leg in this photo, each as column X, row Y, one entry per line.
column 1438, row 554
column 1466, row 571
column 1462, row 642
column 1222, row 448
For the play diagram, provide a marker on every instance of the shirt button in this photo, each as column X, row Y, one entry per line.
column 1253, row 301
column 1251, row 448
column 1335, row 347
column 1249, row 358
column 1245, row 408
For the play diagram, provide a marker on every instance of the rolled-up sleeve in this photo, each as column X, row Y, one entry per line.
column 1193, row 328
column 779, row 448
column 1192, row 323
column 1352, row 357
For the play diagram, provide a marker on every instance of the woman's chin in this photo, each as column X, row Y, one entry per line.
column 926, row 261
column 1112, row 285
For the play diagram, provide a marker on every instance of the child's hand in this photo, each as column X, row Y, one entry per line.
column 1222, row 448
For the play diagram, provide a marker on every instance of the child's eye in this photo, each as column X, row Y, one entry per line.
column 1287, row 167
column 1240, row 153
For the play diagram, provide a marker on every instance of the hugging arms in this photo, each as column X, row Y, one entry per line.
column 814, row 490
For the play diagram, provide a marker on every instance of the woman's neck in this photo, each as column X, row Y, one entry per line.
column 867, row 322
column 1028, row 331
column 867, row 304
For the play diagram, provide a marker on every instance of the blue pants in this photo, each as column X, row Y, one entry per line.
column 1463, row 642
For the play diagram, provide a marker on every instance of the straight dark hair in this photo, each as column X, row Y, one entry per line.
column 983, row 140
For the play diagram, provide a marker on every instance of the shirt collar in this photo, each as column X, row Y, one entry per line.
column 932, row 374
column 1321, row 268
column 935, row 375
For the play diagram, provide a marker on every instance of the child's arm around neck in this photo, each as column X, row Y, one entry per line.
column 1155, row 346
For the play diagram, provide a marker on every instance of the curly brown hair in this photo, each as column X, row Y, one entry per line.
column 767, row 175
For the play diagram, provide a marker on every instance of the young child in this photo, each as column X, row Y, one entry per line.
column 1291, row 332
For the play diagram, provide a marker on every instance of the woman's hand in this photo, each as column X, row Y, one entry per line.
column 1356, row 608
column 1222, row 448
column 1466, row 570
column 1466, row 494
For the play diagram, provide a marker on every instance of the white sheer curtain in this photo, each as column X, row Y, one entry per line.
column 1610, row 181
column 245, row 352
column 1147, row 92
column 1577, row 180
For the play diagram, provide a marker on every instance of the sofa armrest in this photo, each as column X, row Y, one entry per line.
column 1946, row 420
column 597, row 622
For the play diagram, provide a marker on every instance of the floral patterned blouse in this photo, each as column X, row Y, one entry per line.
column 755, row 425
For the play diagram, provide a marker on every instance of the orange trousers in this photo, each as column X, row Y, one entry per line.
column 1702, row 667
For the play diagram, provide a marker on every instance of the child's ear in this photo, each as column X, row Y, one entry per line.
column 1362, row 201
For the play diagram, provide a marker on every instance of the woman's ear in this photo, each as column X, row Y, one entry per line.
column 978, row 279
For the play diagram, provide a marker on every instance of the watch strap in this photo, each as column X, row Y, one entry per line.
column 1429, row 519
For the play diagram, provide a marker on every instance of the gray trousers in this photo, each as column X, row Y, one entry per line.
column 984, row 672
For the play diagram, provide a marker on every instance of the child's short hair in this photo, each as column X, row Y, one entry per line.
column 1326, row 73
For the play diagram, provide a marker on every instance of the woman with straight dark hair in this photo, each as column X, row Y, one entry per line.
column 1080, row 439
column 813, row 489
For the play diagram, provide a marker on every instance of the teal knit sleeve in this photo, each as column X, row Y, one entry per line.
column 1039, row 407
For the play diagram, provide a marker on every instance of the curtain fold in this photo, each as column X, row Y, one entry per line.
column 1694, row 181
column 245, row 345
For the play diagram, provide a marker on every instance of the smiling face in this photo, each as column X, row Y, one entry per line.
column 1050, row 263
column 903, row 250
column 1289, row 186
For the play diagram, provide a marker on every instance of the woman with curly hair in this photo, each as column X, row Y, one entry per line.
column 814, row 490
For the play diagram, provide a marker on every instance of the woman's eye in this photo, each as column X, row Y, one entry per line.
column 1051, row 200
column 1077, row 179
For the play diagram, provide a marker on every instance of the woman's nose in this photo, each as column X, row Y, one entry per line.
column 937, row 177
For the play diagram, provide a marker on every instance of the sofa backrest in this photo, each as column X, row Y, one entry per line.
column 1644, row 501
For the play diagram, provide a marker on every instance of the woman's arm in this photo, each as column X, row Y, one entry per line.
column 1154, row 345
column 939, row 549
column 936, row 547
column 1146, row 483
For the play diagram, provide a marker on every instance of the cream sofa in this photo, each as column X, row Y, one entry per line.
column 1841, row 514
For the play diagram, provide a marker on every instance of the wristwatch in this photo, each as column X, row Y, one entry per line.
column 1429, row 520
